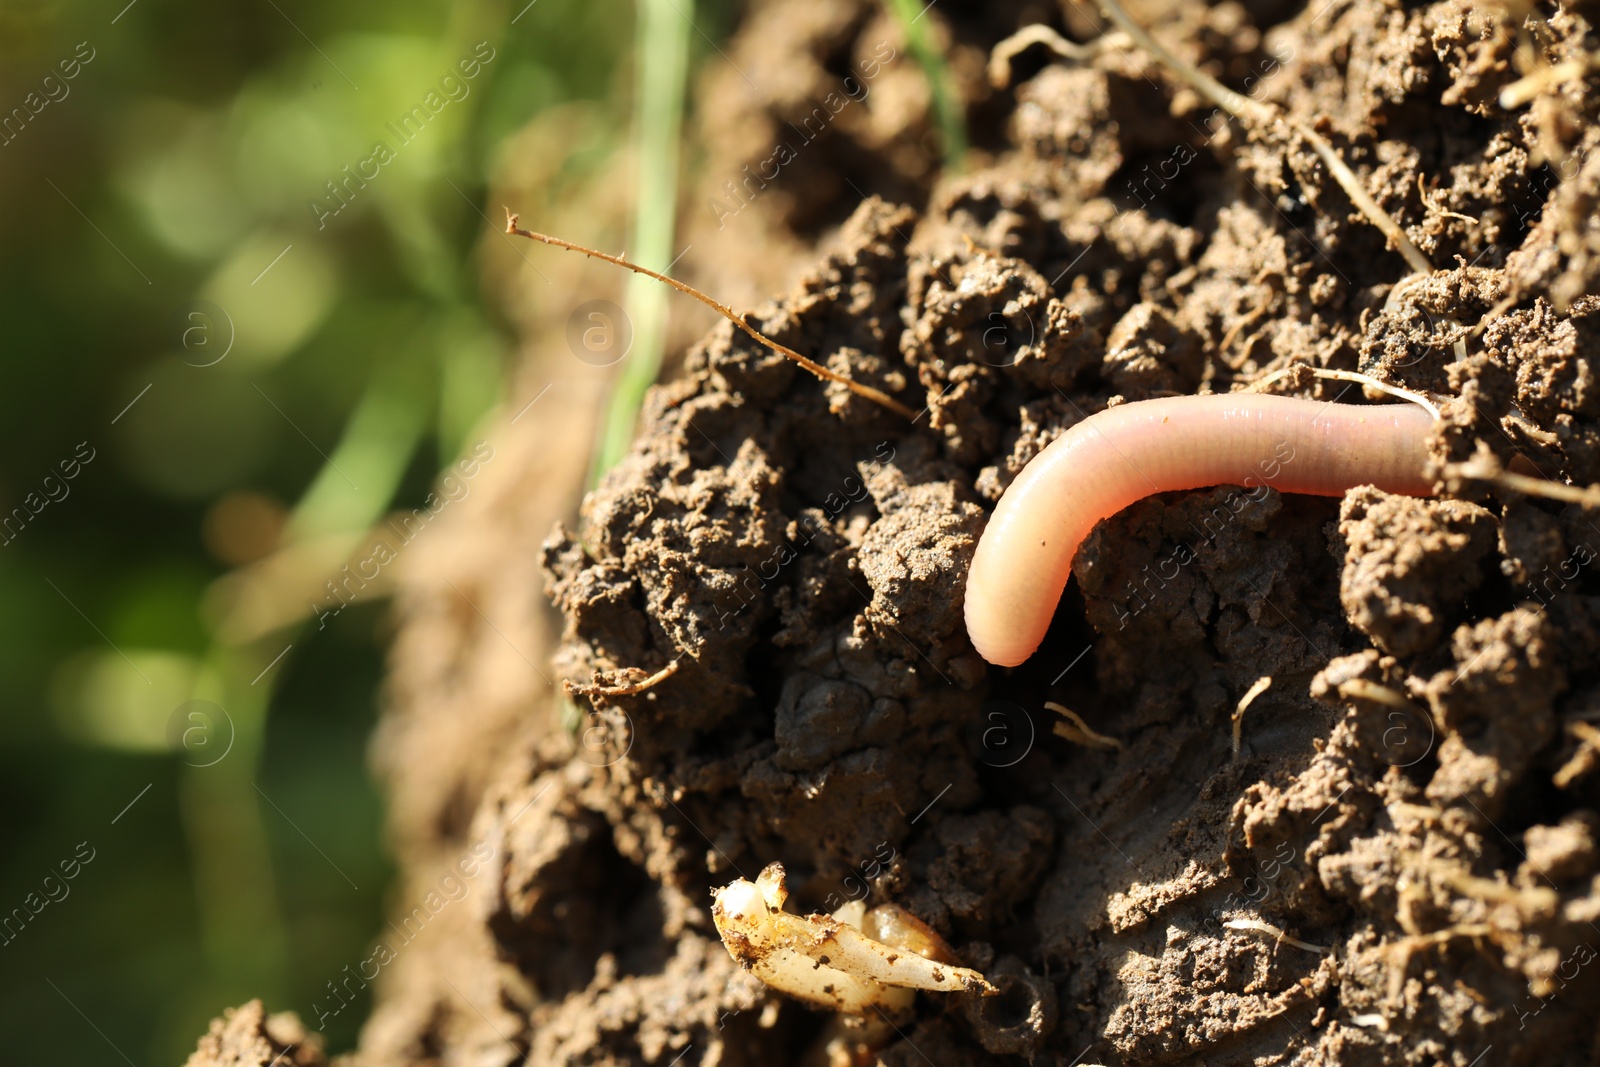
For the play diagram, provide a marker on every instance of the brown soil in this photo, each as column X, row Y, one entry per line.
column 1413, row 801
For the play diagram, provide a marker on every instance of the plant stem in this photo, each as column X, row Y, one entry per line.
column 948, row 112
column 662, row 44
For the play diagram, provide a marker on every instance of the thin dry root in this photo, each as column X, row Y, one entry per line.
column 1246, row 321
column 828, row 962
column 1398, row 953
column 1262, row 685
column 1261, row 384
column 877, row 396
column 597, row 688
column 1267, row 928
column 1584, row 759
column 1534, row 901
column 1412, row 942
column 1374, row 693
column 1009, row 49
column 1263, row 117
column 1077, row 731
column 1484, row 466
column 1524, row 90
column 1422, row 191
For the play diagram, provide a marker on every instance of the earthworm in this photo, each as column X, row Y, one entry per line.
column 1128, row 452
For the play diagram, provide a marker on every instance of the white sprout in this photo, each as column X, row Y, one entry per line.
column 830, row 963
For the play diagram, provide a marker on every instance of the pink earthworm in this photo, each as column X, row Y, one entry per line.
column 1128, row 452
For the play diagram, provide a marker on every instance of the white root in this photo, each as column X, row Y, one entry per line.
column 1262, row 685
column 1079, row 732
column 1277, row 932
column 1328, row 373
column 1004, row 53
column 831, row 963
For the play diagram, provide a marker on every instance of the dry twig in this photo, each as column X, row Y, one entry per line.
column 1263, row 117
column 877, row 396
column 597, row 688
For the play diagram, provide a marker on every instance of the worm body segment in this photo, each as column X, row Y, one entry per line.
column 1126, row 453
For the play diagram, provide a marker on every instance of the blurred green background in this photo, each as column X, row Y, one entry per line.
column 224, row 378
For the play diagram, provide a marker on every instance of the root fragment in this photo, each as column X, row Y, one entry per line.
column 1525, row 90
column 1584, row 760
column 1264, row 117
column 1260, row 384
column 1245, row 321
column 828, row 962
column 1399, row 952
column 1485, row 466
column 1374, row 693
column 1008, row 50
column 597, row 688
column 1267, row 928
column 1262, row 685
column 877, row 396
column 1422, row 191
column 1079, row 732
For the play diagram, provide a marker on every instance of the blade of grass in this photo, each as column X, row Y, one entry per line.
column 242, row 924
column 358, row 481
column 242, row 921
column 948, row 112
column 662, row 44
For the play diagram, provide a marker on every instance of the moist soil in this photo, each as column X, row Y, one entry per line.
column 1390, row 855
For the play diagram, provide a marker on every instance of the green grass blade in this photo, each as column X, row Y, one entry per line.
column 663, row 58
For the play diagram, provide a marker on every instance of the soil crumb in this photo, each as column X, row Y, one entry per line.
column 248, row 1037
